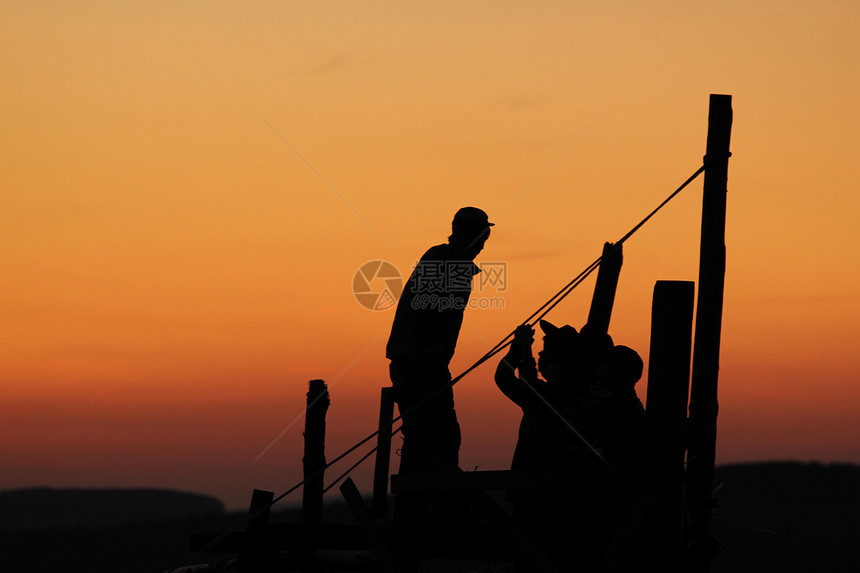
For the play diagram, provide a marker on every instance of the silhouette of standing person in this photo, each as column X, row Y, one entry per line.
column 422, row 342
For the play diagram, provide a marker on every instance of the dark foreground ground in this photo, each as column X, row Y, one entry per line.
column 148, row 532
column 817, row 504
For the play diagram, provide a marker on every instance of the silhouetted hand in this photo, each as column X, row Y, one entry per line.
column 524, row 337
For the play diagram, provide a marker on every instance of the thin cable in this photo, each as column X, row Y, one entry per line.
column 566, row 290
column 563, row 293
column 267, row 506
column 575, row 284
column 616, row 246
column 787, row 538
column 359, row 462
column 663, row 204
column 347, row 472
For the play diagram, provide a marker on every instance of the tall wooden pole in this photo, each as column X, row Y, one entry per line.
column 314, row 458
column 709, row 312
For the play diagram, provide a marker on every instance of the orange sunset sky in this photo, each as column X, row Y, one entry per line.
column 189, row 187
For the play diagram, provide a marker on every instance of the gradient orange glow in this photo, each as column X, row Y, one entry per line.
column 175, row 272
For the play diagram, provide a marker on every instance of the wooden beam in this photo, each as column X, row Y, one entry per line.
column 709, row 311
column 314, row 456
column 604, row 288
column 669, row 369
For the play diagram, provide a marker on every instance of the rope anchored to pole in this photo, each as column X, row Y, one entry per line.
column 532, row 320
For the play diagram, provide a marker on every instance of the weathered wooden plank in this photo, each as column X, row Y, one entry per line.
column 669, row 369
column 604, row 288
column 314, row 454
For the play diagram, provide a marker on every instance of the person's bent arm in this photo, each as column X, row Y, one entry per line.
column 517, row 368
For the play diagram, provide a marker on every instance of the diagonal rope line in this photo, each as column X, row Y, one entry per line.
column 393, row 433
column 561, row 294
column 304, row 410
column 218, row 539
column 505, row 342
column 349, row 471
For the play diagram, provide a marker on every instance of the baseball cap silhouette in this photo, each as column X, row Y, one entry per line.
column 470, row 219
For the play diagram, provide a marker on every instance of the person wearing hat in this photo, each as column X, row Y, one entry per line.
column 422, row 342
column 549, row 404
column 618, row 414
column 542, row 436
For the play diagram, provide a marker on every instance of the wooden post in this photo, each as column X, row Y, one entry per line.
column 314, row 458
column 605, row 287
column 669, row 370
column 251, row 554
column 379, row 505
column 666, row 413
column 261, row 506
column 709, row 312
